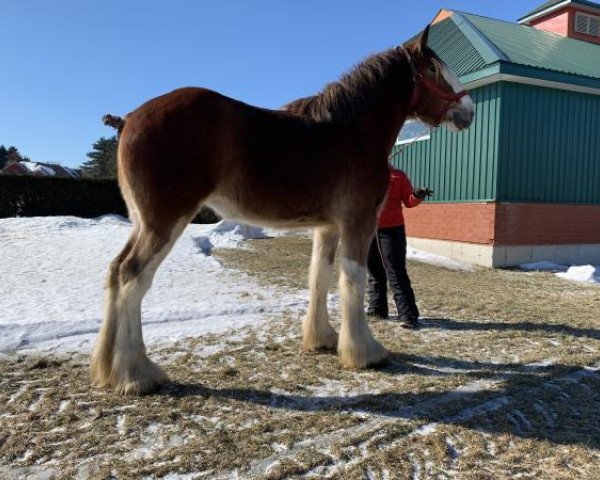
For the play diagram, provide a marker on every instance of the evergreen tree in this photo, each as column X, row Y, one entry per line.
column 3, row 157
column 102, row 161
column 13, row 155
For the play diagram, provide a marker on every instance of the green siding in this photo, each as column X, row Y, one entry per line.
column 549, row 146
column 459, row 167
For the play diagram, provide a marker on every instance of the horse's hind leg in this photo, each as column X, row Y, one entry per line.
column 317, row 332
column 120, row 359
column 357, row 347
column 100, row 365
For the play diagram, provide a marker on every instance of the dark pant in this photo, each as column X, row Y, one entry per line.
column 387, row 263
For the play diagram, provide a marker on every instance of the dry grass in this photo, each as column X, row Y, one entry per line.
column 461, row 398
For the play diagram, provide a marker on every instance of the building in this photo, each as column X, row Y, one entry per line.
column 523, row 183
column 40, row 170
column 575, row 19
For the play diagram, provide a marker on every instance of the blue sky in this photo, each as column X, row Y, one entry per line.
column 64, row 63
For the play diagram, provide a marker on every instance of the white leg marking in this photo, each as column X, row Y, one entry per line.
column 357, row 347
column 317, row 332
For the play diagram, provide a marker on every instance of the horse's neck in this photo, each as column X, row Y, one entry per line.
column 380, row 126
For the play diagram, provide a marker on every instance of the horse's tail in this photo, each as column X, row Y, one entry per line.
column 114, row 121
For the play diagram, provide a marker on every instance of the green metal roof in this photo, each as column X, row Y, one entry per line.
column 476, row 47
column 452, row 45
column 552, row 3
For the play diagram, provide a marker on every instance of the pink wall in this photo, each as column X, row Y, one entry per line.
column 563, row 22
column 557, row 22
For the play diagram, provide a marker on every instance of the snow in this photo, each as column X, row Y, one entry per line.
column 53, row 270
column 584, row 273
column 575, row 273
column 36, row 167
column 437, row 260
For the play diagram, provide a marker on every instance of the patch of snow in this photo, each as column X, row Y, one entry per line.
column 583, row 273
column 425, row 430
column 541, row 364
column 279, row 447
column 113, row 219
column 272, row 466
column 337, row 388
column 121, row 425
column 575, row 273
column 437, row 260
column 180, row 476
column 412, row 458
column 519, row 421
column 452, row 450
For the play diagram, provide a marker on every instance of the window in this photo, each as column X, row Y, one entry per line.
column 588, row 24
column 413, row 131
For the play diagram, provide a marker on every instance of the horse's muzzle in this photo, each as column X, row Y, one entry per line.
column 461, row 118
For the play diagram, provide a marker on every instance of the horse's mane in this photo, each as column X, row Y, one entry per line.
column 355, row 92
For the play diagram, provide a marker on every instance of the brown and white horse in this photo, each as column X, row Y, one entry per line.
column 323, row 164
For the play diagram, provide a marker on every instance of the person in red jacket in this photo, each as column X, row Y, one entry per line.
column 387, row 253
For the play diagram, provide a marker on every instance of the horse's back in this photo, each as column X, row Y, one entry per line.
column 194, row 144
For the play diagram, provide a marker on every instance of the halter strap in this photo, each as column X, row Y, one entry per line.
column 420, row 81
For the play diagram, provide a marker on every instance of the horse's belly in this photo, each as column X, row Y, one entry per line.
column 264, row 215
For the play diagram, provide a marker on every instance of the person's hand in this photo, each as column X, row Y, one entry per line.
column 422, row 192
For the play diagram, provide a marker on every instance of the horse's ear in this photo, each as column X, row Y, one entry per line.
column 418, row 44
column 425, row 37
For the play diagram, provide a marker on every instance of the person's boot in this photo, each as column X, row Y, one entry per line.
column 377, row 312
column 411, row 322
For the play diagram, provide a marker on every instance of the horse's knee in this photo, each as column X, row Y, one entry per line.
column 129, row 269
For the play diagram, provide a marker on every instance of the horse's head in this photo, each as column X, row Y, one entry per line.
column 438, row 96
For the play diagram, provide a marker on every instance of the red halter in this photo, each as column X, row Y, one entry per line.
column 450, row 99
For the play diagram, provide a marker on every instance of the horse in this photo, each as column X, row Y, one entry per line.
column 321, row 162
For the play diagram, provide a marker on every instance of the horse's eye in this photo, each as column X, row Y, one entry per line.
column 431, row 69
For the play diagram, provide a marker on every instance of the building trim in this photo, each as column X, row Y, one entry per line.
column 488, row 51
column 502, row 256
column 544, row 12
column 505, row 77
column 579, row 5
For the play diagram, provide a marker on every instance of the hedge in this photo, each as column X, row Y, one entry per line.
column 30, row 196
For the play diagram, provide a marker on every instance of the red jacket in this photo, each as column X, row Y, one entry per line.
column 400, row 191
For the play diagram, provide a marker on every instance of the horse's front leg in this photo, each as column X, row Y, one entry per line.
column 357, row 347
column 317, row 332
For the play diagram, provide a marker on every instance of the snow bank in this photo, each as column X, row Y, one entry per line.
column 226, row 234
column 584, row 273
column 53, row 270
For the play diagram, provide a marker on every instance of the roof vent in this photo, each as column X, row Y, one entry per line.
column 587, row 24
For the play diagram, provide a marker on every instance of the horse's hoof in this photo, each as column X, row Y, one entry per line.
column 322, row 338
column 370, row 354
column 137, row 379
column 140, row 387
column 327, row 344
